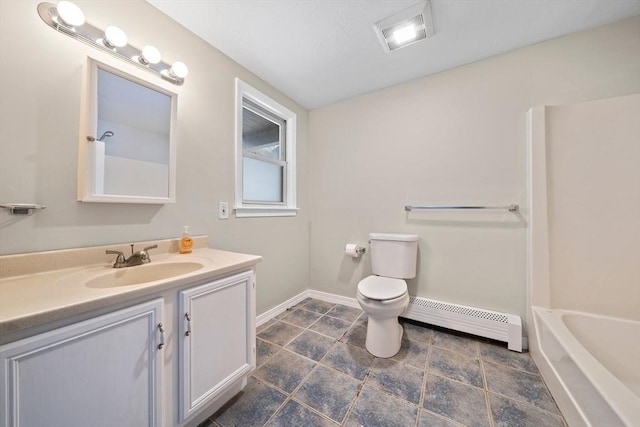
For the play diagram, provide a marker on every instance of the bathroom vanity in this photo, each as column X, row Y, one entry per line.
column 161, row 344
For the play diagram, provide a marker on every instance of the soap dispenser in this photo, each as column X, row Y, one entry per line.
column 186, row 242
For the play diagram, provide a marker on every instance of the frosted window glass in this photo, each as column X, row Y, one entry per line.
column 261, row 181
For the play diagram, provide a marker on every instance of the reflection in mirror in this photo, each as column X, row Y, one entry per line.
column 129, row 151
column 133, row 121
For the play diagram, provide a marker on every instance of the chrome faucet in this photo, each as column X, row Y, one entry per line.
column 136, row 258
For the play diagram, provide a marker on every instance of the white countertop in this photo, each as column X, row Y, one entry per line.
column 29, row 300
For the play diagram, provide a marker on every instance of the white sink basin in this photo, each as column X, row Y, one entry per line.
column 140, row 274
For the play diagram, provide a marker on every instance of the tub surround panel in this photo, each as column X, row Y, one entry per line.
column 593, row 153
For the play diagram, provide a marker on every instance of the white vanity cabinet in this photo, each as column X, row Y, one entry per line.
column 104, row 371
column 216, row 340
column 76, row 354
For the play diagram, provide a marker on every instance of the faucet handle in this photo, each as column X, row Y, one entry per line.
column 145, row 255
column 120, row 259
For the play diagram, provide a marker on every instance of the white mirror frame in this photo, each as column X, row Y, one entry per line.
column 87, row 167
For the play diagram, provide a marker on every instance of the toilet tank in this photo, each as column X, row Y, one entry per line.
column 394, row 255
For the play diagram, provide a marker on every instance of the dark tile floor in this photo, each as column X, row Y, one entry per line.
column 313, row 370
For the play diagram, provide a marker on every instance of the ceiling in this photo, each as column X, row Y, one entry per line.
column 319, row 52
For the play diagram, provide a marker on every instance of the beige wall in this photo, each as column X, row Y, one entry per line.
column 40, row 83
column 458, row 137
column 593, row 173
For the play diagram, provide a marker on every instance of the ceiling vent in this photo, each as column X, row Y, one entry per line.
column 406, row 27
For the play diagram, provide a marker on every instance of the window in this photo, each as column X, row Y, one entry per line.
column 265, row 155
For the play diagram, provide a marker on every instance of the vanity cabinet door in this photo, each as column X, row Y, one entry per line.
column 217, row 342
column 102, row 372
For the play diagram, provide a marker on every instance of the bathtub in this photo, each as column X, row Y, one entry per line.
column 591, row 364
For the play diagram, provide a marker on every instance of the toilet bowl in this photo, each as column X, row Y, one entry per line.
column 383, row 299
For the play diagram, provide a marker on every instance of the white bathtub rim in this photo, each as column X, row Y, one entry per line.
column 623, row 401
column 571, row 411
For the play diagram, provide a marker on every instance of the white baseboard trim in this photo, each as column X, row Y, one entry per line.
column 280, row 308
column 309, row 293
column 336, row 299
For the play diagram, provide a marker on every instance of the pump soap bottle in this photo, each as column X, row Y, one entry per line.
column 186, row 242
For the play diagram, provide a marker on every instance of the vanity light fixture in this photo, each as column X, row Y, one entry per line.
column 178, row 70
column 69, row 19
column 405, row 27
column 70, row 14
column 149, row 55
column 114, row 37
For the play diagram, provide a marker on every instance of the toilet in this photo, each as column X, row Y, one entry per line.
column 383, row 295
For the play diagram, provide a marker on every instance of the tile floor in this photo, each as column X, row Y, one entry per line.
column 313, row 370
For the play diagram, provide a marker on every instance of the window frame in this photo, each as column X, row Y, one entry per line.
column 288, row 207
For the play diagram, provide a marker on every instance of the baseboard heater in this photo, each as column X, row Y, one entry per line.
column 475, row 321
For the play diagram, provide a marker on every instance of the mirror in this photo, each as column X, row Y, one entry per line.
column 127, row 146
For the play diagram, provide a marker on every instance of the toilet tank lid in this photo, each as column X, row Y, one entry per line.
column 396, row 237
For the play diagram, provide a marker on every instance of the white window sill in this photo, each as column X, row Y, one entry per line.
column 258, row 211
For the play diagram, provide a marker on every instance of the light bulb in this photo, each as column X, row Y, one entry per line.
column 114, row 37
column 179, row 70
column 149, row 55
column 404, row 34
column 70, row 14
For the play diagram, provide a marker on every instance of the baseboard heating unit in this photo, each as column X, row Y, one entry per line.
column 475, row 321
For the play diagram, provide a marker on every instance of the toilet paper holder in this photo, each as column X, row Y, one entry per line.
column 354, row 250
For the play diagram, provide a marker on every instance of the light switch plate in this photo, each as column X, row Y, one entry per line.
column 223, row 210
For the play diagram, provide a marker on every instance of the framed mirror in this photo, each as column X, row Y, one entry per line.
column 127, row 137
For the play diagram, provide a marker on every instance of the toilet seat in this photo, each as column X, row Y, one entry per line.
column 382, row 288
